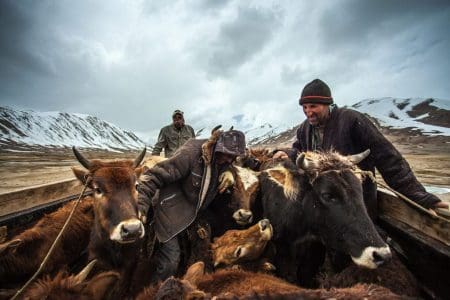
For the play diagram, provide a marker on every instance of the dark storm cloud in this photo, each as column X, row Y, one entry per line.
column 240, row 39
column 17, row 41
column 355, row 21
column 133, row 62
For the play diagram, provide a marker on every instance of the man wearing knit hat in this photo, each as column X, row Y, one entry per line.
column 349, row 132
column 173, row 136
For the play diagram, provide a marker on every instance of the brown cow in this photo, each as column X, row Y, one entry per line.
column 237, row 284
column 22, row 255
column 64, row 286
column 117, row 233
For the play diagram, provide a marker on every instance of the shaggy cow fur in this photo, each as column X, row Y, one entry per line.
column 236, row 284
column 21, row 256
column 66, row 287
column 392, row 275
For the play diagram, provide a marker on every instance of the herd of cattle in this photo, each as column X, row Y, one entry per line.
column 280, row 231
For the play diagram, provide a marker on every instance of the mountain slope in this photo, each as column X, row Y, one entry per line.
column 424, row 116
column 20, row 130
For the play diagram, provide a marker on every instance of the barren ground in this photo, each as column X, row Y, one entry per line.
column 428, row 157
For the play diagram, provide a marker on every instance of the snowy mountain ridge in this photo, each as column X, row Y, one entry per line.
column 21, row 129
column 427, row 116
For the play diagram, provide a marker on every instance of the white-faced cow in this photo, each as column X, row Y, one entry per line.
column 320, row 199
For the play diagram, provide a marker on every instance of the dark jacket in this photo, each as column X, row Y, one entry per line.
column 350, row 132
column 186, row 184
column 171, row 138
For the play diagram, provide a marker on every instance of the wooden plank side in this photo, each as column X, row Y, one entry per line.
column 394, row 207
column 27, row 198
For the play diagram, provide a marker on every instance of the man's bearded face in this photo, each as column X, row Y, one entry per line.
column 317, row 114
column 178, row 121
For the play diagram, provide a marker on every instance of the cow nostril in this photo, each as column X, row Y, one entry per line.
column 380, row 258
column 130, row 230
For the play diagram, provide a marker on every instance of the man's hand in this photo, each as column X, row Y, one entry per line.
column 280, row 155
column 226, row 180
column 440, row 204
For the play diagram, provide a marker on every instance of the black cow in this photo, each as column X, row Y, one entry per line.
column 319, row 202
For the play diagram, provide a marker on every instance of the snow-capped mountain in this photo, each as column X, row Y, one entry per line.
column 264, row 133
column 22, row 129
column 424, row 116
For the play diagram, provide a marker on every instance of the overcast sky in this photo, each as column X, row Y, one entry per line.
column 133, row 62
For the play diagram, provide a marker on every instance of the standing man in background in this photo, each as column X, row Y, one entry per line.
column 173, row 136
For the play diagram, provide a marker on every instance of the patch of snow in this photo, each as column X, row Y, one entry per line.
column 383, row 109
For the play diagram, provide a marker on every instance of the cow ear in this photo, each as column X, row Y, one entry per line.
column 80, row 174
column 195, row 273
column 138, row 171
column 100, row 285
column 10, row 246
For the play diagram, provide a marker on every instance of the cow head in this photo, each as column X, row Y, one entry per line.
column 337, row 208
column 242, row 245
column 115, row 195
column 64, row 286
column 243, row 186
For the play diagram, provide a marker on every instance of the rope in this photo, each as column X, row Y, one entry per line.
column 50, row 251
column 400, row 195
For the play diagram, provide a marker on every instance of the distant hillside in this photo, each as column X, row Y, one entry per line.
column 25, row 130
column 422, row 116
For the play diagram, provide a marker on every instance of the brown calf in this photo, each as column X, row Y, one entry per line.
column 21, row 256
column 65, row 287
column 117, row 232
column 237, row 284
column 243, row 248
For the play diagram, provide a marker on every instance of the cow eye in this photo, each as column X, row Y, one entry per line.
column 97, row 190
column 136, row 185
column 238, row 251
column 328, row 197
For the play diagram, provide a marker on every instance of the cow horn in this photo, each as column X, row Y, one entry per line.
column 139, row 159
column 83, row 161
column 216, row 128
column 231, row 128
column 302, row 163
column 80, row 277
column 357, row 158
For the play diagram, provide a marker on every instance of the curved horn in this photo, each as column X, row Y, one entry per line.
column 80, row 277
column 81, row 159
column 215, row 129
column 301, row 162
column 231, row 128
column 139, row 159
column 357, row 158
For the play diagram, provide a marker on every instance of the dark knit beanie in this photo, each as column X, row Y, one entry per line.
column 316, row 91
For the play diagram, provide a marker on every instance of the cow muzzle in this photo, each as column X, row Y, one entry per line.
column 373, row 257
column 266, row 229
column 243, row 216
column 128, row 231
